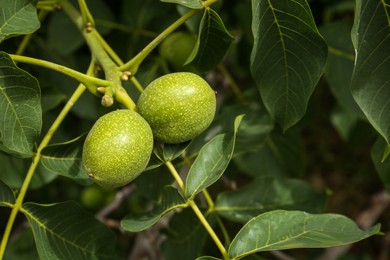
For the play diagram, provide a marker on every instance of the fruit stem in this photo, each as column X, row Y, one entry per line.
column 197, row 211
column 35, row 161
column 133, row 64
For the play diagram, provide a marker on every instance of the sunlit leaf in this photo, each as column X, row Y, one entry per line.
column 7, row 196
column 288, row 57
column 20, row 104
column 269, row 193
column 212, row 161
column 65, row 159
column 279, row 230
column 382, row 167
column 17, row 17
column 213, row 42
column 194, row 4
column 370, row 81
column 171, row 199
column 66, row 231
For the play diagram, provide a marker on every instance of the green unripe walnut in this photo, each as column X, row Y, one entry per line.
column 176, row 49
column 92, row 197
column 117, row 148
column 178, row 106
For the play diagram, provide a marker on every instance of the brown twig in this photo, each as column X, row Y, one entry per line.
column 120, row 197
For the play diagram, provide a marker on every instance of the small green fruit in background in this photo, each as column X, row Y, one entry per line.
column 176, row 49
column 178, row 106
column 117, row 148
column 92, row 197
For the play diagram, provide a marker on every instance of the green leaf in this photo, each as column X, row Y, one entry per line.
column 193, row 23
column 51, row 98
column 269, row 193
column 339, row 67
column 170, row 200
column 65, row 159
column 7, row 196
column 370, row 81
column 279, row 230
column 66, row 231
column 171, row 151
column 343, row 122
column 281, row 154
column 212, row 44
column 20, row 103
column 254, row 127
column 13, row 172
column 382, row 167
column 17, row 17
column 207, row 258
column 185, row 236
column 212, row 161
column 23, row 247
column 193, row 4
column 288, row 57
column 386, row 153
column 151, row 183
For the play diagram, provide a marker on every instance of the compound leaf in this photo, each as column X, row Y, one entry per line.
column 20, row 103
column 370, row 81
column 17, row 17
column 66, row 231
column 288, row 57
column 280, row 229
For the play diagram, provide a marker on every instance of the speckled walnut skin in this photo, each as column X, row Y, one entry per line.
column 117, row 148
column 177, row 106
